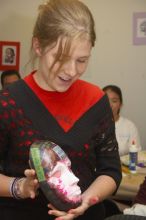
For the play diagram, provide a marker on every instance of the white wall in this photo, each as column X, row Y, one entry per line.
column 115, row 60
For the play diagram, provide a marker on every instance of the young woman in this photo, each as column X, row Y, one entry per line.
column 126, row 131
column 52, row 103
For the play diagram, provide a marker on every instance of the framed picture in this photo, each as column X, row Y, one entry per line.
column 9, row 55
column 139, row 28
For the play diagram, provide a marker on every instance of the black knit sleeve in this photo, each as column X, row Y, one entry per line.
column 106, row 146
column 4, row 115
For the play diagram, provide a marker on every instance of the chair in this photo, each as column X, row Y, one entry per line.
column 126, row 217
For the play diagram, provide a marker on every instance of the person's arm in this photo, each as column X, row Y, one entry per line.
column 96, row 192
column 4, row 186
column 26, row 186
column 99, row 188
column 108, row 169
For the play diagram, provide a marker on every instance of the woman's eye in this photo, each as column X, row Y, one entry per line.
column 82, row 61
column 114, row 100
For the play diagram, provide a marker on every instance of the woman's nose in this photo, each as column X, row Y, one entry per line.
column 111, row 104
column 70, row 68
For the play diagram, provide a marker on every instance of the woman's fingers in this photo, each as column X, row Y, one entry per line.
column 32, row 194
column 61, row 215
column 54, row 211
column 51, row 206
column 74, row 213
column 30, row 173
column 66, row 217
column 31, row 177
column 30, row 183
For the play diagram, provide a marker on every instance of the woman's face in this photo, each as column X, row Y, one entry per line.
column 62, row 179
column 74, row 66
column 115, row 103
column 8, row 52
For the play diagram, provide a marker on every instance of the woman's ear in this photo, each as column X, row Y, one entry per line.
column 36, row 46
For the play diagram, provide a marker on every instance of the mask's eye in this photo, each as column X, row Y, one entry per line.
column 56, row 174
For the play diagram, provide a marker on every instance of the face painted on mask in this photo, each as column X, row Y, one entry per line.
column 58, row 174
column 64, row 182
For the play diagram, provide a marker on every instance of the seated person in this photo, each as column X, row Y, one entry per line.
column 9, row 76
column 139, row 203
column 126, row 131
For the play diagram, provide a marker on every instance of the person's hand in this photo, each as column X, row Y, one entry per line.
column 73, row 213
column 28, row 185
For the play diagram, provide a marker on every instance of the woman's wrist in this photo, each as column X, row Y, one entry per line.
column 16, row 188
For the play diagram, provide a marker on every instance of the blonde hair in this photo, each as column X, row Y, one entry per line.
column 63, row 18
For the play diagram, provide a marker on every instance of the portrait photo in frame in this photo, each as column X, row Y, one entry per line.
column 9, row 55
column 139, row 28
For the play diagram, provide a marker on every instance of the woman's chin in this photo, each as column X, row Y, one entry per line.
column 62, row 88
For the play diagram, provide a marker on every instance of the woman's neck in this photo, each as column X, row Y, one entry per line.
column 116, row 117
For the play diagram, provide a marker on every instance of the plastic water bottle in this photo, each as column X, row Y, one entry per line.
column 133, row 157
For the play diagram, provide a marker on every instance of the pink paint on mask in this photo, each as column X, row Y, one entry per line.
column 65, row 184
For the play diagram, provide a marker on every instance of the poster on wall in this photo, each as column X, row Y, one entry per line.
column 139, row 28
column 9, row 55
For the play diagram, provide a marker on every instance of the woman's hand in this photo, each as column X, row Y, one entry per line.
column 95, row 193
column 28, row 185
column 73, row 213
